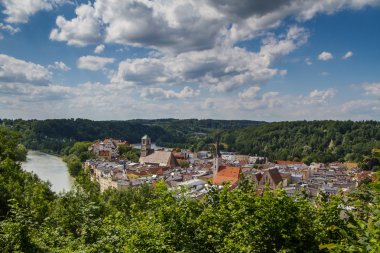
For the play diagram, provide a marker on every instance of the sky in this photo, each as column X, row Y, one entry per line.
column 273, row 60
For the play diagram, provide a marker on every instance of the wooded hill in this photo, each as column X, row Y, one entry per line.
column 55, row 134
column 323, row 141
column 155, row 219
column 320, row 141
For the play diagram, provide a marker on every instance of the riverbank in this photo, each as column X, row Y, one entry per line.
column 49, row 168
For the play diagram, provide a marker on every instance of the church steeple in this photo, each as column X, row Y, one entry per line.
column 217, row 158
column 145, row 146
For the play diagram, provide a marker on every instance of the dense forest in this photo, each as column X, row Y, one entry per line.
column 308, row 141
column 154, row 219
column 322, row 141
column 56, row 134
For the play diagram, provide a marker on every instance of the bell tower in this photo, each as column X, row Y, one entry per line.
column 217, row 159
column 145, row 146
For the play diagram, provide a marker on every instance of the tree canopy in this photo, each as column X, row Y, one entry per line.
column 155, row 219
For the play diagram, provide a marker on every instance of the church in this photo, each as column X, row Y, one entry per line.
column 150, row 156
column 224, row 174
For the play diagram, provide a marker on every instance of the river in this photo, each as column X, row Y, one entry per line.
column 49, row 168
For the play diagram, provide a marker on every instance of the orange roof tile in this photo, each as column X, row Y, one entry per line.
column 227, row 174
column 281, row 162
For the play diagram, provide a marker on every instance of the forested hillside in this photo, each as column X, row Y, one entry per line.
column 323, row 141
column 55, row 134
column 308, row 141
column 154, row 219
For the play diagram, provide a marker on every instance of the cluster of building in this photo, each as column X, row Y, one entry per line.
column 203, row 171
column 107, row 149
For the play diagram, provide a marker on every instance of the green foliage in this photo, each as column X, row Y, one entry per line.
column 74, row 164
column 128, row 152
column 54, row 135
column 156, row 219
column 20, row 153
column 184, row 163
column 309, row 141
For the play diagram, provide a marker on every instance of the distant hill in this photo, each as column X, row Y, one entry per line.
column 55, row 134
column 307, row 141
column 323, row 141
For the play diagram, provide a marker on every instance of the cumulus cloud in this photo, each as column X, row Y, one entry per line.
column 13, row 70
column 93, row 63
column 221, row 69
column 251, row 92
column 58, row 65
column 325, row 56
column 159, row 93
column 99, row 49
column 267, row 101
column 372, row 89
column 6, row 27
column 320, row 96
column 175, row 26
column 247, row 8
column 362, row 107
column 80, row 31
column 19, row 11
column 187, row 25
column 273, row 47
column 347, row 55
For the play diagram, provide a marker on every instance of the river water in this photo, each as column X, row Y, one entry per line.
column 49, row 168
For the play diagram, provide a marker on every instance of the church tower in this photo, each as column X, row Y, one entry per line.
column 145, row 146
column 217, row 160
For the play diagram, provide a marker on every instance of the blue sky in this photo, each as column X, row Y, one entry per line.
column 269, row 60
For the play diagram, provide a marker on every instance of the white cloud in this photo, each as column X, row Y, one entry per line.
column 99, row 49
column 221, row 69
column 19, row 11
column 273, row 47
column 187, row 25
column 363, row 109
column 347, row 55
column 267, row 101
column 174, row 26
column 13, row 70
column 6, row 27
column 93, row 63
column 320, row 96
column 159, row 93
column 372, row 89
column 308, row 61
column 80, row 31
column 325, row 56
column 58, row 65
column 251, row 92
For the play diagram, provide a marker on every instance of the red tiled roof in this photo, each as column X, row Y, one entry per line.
column 364, row 174
column 281, row 162
column 227, row 174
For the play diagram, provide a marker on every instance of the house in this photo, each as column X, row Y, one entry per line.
column 242, row 158
column 160, row 158
column 272, row 177
column 227, row 174
column 107, row 148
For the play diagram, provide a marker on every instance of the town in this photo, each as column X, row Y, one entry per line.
column 199, row 171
